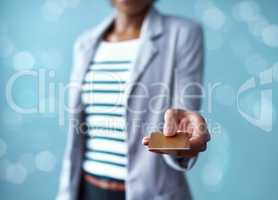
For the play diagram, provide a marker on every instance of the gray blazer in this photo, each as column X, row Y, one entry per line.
column 167, row 74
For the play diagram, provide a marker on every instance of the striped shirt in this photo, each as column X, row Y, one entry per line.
column 103, row 94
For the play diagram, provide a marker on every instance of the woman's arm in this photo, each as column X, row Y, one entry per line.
column 187, row 98
column 187, row 93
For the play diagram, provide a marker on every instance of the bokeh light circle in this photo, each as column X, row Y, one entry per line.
column 23, row 60
column 214, row 18
column 256, row 28
column 270, row 35
column 52, row 10
column 248, row 11
column 16, row 173
column 45, row 161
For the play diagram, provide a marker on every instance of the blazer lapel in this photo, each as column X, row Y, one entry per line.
column 151, row 30
column 91, row 45
column 86, row 52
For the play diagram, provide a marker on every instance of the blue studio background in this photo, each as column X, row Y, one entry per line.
column 241, row 44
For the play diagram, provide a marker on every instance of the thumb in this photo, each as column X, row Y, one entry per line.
column 170, row 123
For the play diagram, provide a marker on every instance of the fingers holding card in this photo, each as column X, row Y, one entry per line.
column 174, row 145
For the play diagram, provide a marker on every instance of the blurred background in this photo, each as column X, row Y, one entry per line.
column 240, row 104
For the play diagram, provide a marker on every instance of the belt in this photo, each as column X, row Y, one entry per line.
column 104, row 184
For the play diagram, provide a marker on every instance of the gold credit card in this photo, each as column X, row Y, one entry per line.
column 158, row 141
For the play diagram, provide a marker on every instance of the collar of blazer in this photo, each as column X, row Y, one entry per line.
column 152, row 25
column 151, row 30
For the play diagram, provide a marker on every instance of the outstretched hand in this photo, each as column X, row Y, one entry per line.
column 191, row 123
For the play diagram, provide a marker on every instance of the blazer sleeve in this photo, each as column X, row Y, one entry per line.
column 187, row 81
column 64, row 183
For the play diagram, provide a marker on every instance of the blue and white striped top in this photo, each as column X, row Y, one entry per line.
column 103, row 94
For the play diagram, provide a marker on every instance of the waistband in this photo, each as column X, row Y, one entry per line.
column 104, row 184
